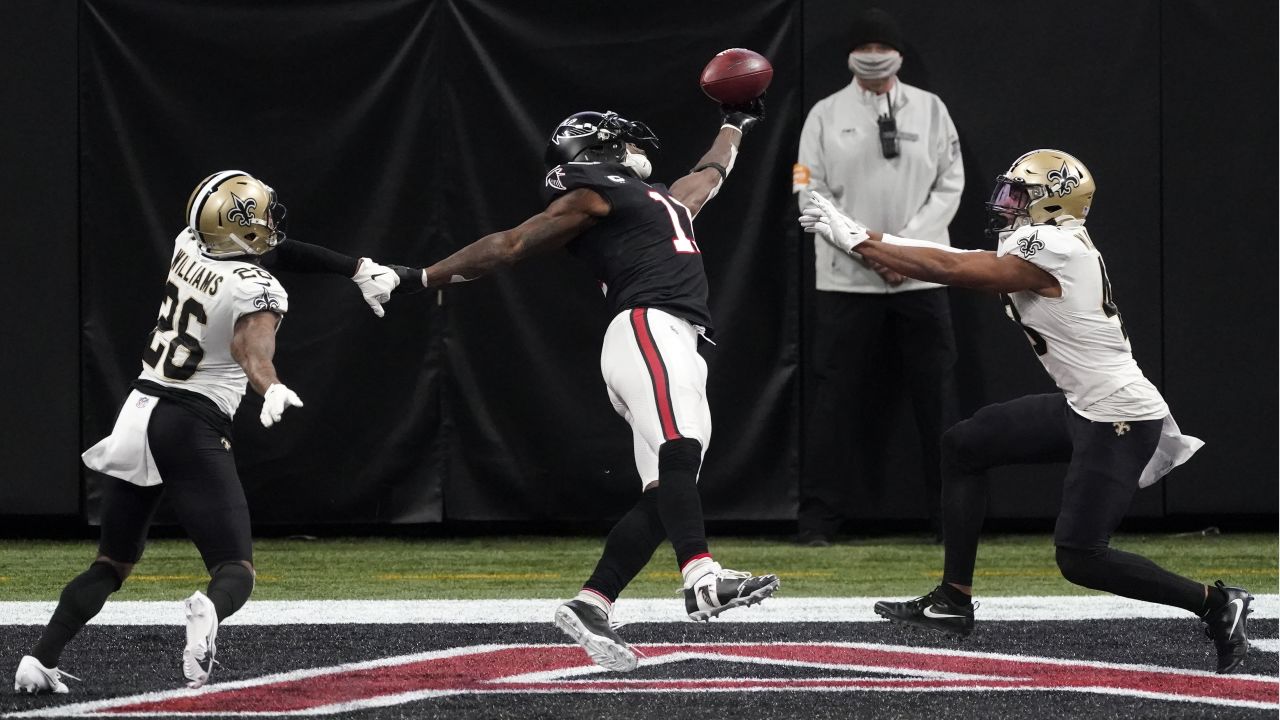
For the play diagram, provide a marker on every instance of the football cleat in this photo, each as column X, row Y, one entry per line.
column 933, row 611
column 725, row 589
column 34, row 678
column 588, row 626
column 1226, row 628
column 202, row 632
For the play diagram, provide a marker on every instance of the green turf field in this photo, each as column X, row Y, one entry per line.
column 540, row 567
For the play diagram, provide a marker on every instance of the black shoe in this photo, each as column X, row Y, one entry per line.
column 589, row 627
column 729, row 589
column 933, row 611
column 1226, row 628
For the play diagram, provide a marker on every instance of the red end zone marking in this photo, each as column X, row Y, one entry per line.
column 564, row 668
column 455, row 674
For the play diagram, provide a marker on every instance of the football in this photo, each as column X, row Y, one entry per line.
column 736, row 76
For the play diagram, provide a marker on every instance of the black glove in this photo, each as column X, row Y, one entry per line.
column 744, row 116
column 410, row 280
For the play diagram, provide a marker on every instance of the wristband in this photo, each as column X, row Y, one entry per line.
column 714, row 166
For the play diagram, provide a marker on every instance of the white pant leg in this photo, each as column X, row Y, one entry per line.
column 657, row 382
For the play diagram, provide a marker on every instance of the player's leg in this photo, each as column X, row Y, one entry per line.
column 664, row 388
column 204, row 489
column 126, row 514
column 631, row 542
column 842, row 359
column 925, row 335
column 1031, row 429
column 1099, row 488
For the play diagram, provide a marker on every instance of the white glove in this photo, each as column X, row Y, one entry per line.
column 275, row 401
column 823, row 218
column 376, row 283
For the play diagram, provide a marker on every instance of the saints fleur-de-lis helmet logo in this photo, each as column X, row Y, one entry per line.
column 1057, row 187
column 1062, row 181
column 242, row 210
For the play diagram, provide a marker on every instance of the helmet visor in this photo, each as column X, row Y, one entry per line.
column 1009, row 198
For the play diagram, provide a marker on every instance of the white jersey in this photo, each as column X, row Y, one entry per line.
column 1080, row 337
column 190, row 347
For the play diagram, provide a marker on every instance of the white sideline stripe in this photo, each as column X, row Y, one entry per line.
column 646, row 610
column 1265, row 644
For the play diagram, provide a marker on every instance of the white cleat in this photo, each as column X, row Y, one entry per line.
column 202, row 631
column 589, row 627
column 34, row 678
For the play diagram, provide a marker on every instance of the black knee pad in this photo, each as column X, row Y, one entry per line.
column 1078, row 566
column 83, row 597
column 684, row 455
column 230, row 587
column 951, row 446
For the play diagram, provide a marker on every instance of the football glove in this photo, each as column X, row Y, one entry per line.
column 743, row 116
column 823, row 218
column 376, row 283
column 275, row 401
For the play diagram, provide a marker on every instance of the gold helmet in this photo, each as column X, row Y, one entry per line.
column 233, row 213
column 1043, row 187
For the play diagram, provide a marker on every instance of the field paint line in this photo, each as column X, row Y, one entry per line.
column 773, row 610
column 1271, row 645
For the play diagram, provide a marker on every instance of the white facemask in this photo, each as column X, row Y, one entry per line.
column 875, row 65
column 639, row 163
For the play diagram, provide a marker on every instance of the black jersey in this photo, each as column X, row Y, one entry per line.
column 643, row 252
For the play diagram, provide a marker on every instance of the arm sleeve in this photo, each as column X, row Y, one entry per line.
column 809, row 165
column 297, row 256
column 932, row 219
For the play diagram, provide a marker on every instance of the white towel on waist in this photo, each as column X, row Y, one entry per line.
column 125, row 453
column 1173, row 449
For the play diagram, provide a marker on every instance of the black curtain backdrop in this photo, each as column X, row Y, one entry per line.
column 404, row 129
column 336, row 106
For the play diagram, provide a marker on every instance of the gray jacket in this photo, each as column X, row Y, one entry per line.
column 914, row 195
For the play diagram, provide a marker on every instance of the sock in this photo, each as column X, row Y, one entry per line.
column 229, row 588
column 698, row 569
column 679, row 505
column 955, row 596
column 1213, row 599
column 81, row 599
column 628, row 548
column 596, row 600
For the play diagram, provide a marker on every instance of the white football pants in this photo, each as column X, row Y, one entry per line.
column 657, row 382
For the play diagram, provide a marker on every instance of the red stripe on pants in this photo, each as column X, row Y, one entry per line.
column 657, row 372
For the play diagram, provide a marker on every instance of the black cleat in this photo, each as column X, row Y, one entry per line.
column 729, row 589
column 589, row 627
column 933, row 611
column 1226, row 628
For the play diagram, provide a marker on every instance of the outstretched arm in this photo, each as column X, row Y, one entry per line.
column 376, row 282
column 703, row 182
column 981, row 270
column 563, row 220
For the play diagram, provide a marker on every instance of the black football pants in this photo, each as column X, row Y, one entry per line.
column 200, row 484
column 852, row 338
column 1105, row 459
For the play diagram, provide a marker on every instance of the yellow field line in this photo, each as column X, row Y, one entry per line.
column 189, row 578
column 392, row 577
